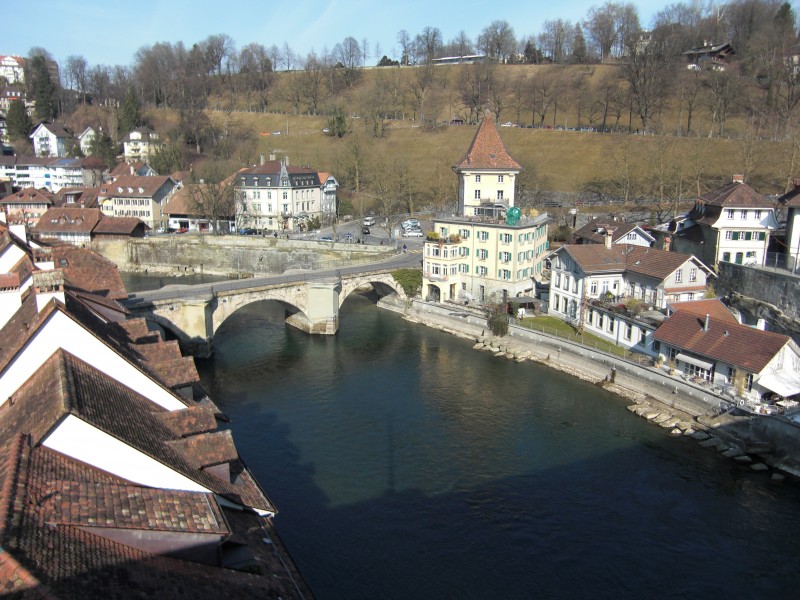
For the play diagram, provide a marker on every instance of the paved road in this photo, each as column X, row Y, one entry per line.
column 403, row 260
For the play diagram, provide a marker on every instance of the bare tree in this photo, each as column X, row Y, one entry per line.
column 474, row 85
column 555, row 39
column 497, row 40
column 212, row 197
column 76, row 70
column 405, row 46
column 429, row 43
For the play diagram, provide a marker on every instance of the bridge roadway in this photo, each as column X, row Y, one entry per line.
column 193, row 313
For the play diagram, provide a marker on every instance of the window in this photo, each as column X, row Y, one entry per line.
column 728, row 235
column 558, row 280
column 729, row 213
column 593, row 288
column 743, row 215
column 678, row 275
column 481, row 271
column 692, row 275
column 726, row 257
column 477, row 178
column 483, row 236
column 757, row 215
column 499, row 179
column 506, row 238
column 628, row 331
column 477, row 194
column 482, row 254
column 566, row 282
column 464, row 233
column 499, row 195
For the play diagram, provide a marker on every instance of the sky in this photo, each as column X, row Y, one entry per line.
column 107, row 32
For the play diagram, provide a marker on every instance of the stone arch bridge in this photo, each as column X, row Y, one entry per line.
column 194, row 313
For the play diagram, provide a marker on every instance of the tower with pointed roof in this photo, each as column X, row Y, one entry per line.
column 487, row 174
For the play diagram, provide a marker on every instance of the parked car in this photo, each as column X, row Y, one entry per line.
column 413, row 233
column 248, row 231
column 365, row 230
column 409, row 224
column 326, row 238
column 369, row 221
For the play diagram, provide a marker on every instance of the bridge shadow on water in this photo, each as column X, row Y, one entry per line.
column 640, row 515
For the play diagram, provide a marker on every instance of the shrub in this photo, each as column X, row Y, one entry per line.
column 432, row 236
column 409, row 279
column 498, row 321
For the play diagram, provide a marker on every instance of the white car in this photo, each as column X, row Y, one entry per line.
column 409, row 224
column 413, row 233
column 368, row 221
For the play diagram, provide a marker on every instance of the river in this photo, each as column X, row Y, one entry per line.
column 405, row 464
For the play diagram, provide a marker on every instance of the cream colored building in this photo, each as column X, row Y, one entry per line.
column 489, row 249
column 480, row 259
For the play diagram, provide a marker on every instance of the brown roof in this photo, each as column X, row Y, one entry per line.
column 709, row 306
column 27, row 195
column 650, row 262
column 149, row 185
column 595, row 231
column 487, row 150
column 66, row 385
column 78, row 532
column 180, row 202
column 68, row 220
column 708, row 207
column 117, row 225
column 87, row 271
column 81, row 197
column 738, row 345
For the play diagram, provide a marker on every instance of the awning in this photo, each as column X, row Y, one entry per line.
column 782, row 383
column 694, row 361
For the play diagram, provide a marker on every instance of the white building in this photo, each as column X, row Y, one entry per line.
column 12, row 68
column 729, row 224
column 49, row 173
column 277, row 197
column 52, row 139
column 134, row 196
column 140, row 144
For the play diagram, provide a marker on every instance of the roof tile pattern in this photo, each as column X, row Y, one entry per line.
column 487, row 150
column 739, row 345
column 649, row 262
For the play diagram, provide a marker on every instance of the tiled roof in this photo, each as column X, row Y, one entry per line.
column 88, row 271
column 66, row 385
column 487, row 150
column 117, row 225
column 29, row 195
column 84, row 197
column 68, row 220
column 650, row 262
column 71, row 524
column 709, row 306
column 131, row 184
column 738, row 345
column 595, row 231
column 792, row 197
column 736, row 195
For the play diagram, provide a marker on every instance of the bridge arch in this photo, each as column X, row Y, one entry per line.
column 226, row 304
column 383, row 284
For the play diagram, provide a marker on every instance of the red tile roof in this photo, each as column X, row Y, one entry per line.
column 487, row 150
column 738, row 345
column 87, row 271
column 709, row 306
column 149, row 186
column 68, row 220
column 29, row 195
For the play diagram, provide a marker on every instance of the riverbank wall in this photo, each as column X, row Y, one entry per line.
column 233, row 256
column 657, row 395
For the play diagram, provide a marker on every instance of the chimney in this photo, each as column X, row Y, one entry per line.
column 667, row 243
column 286, row 160
column 261, row 159
column 705, row 323
column 133, row 171
column 608, row 238
column 48, row 285
column 738, row 178
column 272, row 156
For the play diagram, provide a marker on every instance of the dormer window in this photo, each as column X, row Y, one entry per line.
column 119, row 189
column 130, row 190
column 141, row 190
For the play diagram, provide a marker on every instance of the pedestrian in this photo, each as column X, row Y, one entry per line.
column 276, row 235
column 405, row 248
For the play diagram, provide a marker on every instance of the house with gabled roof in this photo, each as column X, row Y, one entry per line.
column 618, row 291
column 596, row 230
column 139, row 168
column 135, row 196
column 746, row 362
column 106, row 426
column 26, row 206
column 487, row 173
column 729, row 224
column 80, row 226
column 52, row 139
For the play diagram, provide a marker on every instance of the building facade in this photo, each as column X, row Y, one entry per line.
column 729, row 224
column 277, row 197
column 141, row 197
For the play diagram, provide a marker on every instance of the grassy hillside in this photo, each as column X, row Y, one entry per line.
column 413, row 160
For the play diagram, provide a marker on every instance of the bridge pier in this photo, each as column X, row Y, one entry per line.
column 322, row 309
